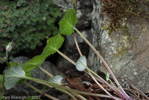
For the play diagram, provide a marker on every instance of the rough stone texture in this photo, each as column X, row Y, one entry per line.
column 21, row 89
column 97, row 20
column 134, row 66
column 137, row 69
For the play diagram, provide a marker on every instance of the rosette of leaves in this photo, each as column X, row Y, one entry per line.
column 26, row 22
column 17, row 72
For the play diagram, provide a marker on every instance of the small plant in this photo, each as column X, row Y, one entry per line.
column 17, row 73
column 27, row 23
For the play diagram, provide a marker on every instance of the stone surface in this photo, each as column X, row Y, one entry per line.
column 21, row 89
column 134, row 66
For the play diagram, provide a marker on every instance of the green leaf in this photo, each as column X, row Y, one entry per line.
column 81, row 63
column 107, row 76
column 68, row 22
column 53, row 44
column 12, row 76
column 50, row 20
column 13, row 64
column 33, row 63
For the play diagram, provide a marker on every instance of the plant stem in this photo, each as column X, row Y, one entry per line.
column 46, row 71
column 7, row 62
column 104, row 62
column 87, row 93
column 115, row 89
column 34, row 88
column 90, row 70
column 113, row 84
column 80, row 96
column 58, row 87
column 77, row 44
column 62, row 87
column 76, row 94
column 64, row 91
column 100, row 86
column 66, row 57
column 97, row 77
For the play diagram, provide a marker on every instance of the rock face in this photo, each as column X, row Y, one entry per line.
column 133, row 66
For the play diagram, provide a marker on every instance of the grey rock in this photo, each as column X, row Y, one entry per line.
column 64, row 4
column 20, row 60
column 96, row 30
column 134, row 66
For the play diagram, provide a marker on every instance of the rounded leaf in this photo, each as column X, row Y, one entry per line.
column 68, row 22
column 12, row 76
column 56, row 79
column 81, row 63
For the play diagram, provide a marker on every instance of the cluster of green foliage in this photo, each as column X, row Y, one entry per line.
column 118, row 13
column 26, row 22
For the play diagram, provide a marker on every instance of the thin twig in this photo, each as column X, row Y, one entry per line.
column 103, row 88
column 71, row 61
column 133, row 93
column 139, row 90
